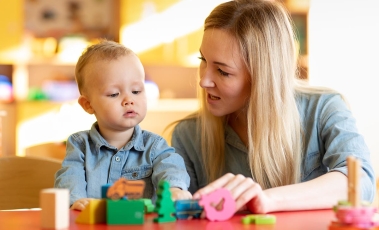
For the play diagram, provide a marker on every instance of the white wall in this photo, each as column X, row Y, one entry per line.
column 344, row 55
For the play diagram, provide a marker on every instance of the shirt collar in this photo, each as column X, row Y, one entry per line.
column 136, row 141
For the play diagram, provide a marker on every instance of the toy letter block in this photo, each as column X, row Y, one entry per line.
column 55, row 205
column 259, row 219
column 228, row 209
column 149, row 207
column 123, row 212
column 94, row 213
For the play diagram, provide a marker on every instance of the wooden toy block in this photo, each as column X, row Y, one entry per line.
column 164, row 204
column 186, row 209
column 228, row 209
column 354, row 214
column 353, row 176
column 104, row 190
column 125, row 212
column 55, row 208
column 126, row 188
column 259, row 219
column 94, row 213
column 149, row 207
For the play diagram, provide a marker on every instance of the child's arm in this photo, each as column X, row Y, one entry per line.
column 72, row 173
column 169, row 166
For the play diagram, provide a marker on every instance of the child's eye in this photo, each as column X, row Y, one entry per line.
column 113, row 95
column 136, row 92
column 201, row 58
column 222, row 72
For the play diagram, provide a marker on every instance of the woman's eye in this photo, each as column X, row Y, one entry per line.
column 113, row 95
column 222, row 72
column 202, row 58
column 136, row 92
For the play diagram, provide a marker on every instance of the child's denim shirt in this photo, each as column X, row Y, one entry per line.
column 330, row 135
column 91, row 162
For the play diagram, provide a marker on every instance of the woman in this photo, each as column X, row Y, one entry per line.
column 274, row 142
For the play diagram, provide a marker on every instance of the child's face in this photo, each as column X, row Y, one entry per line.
column 115, row 93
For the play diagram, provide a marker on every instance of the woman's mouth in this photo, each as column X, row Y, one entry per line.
column 212, row 97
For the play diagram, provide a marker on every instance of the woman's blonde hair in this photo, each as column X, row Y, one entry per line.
column 263, row 30
column 266, row 41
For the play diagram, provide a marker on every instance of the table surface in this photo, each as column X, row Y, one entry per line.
column 310, row 220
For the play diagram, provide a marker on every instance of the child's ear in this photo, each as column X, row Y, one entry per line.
column 85, row 103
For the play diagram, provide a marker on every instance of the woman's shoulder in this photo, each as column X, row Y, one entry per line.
column 185, row 126
column 312, row 99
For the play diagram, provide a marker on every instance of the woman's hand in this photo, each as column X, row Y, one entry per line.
column 178, row 194
column 244, row 191
column 80, row 204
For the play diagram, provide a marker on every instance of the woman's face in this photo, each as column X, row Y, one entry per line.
column 223, row 74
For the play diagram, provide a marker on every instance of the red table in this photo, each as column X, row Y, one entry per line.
column 300, row 220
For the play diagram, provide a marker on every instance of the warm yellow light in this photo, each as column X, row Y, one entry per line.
column 179, row 20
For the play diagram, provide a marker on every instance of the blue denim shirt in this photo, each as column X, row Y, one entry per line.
column 91, row 162
column 330, row 135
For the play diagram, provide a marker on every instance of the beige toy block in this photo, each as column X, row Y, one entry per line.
column 55, row 205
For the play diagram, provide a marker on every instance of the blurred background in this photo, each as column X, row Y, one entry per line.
column 41, row 40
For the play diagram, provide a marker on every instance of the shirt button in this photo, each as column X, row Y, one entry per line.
column 134, row 175
column 118, row 159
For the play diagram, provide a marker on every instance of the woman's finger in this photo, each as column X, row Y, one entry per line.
column 219, row 183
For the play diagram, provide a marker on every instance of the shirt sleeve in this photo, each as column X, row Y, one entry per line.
column 72, row 173
column 169, row 166
column 341, row 138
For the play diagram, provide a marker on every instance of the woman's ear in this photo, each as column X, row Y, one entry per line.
column 85, row 104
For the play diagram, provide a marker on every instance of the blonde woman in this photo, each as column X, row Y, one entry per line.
column 274, row 142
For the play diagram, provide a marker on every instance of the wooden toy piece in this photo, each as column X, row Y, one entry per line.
column 125, row 212
column 164, row 205
column 55, row 208
column 149, row 207
column 186, row 209
column 354, row 214
column 94, row 213
column 259, row 219
column 228, row 209
column 353, row 174
column 126, row 188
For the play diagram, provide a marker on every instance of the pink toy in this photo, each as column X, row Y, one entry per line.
column 361, row 217
column 228, row 209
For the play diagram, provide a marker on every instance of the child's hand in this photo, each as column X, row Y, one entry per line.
column 80, row 204
column 178, row 194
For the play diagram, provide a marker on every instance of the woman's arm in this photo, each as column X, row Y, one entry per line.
column 322, row 192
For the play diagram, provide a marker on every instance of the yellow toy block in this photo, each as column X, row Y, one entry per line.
column 94, row 213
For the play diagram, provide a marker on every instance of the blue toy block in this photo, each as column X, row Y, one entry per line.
column 104, row 190
column 187, row 208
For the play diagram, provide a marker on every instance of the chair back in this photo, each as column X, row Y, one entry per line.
column 22, row 178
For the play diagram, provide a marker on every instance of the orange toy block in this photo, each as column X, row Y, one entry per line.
column 129, row 188
column 94, row 213
column 55, row 208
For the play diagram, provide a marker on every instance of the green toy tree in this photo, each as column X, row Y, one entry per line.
column 164, row 205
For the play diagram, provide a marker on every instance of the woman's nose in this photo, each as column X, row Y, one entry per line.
column 206, row 80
